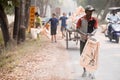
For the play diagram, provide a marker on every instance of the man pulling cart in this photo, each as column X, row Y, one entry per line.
column 87, row 26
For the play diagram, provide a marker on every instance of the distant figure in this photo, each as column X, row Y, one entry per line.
column 113, row 17
column 38, row 21
column 63, row 24
column 69, row 14
column 54, row 23
column 35, row 32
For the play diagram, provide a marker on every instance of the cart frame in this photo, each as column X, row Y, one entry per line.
column 76, row 36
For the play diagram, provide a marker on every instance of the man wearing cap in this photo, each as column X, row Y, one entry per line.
column 86, row 26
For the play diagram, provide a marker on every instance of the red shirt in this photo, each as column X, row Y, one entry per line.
column 95, row 24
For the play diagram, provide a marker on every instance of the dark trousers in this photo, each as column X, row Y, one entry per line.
column 82, row 45
column 110, row 28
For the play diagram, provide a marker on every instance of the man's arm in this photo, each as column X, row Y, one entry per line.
column 80, row 32
column 60, row 18
column 93, row 33
column 95, row 28
column 78, row 27
column 48, row 21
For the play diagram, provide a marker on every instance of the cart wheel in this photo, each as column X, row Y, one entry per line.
column 117, row 40
column 66, row 40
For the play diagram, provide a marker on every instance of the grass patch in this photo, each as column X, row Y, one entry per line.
column 11, row 57
column 1, row 38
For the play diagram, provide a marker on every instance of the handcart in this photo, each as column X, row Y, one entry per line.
column 71, row 35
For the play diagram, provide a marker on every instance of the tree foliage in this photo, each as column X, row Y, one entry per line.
column 42, row 4
column 100, row 5
column 18, row 8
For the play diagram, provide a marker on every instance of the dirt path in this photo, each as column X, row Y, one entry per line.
column 51, row 62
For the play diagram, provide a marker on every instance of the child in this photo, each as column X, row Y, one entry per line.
column 63, row 24
column 54, row 23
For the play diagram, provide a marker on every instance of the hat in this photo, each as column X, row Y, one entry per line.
column 89, row 8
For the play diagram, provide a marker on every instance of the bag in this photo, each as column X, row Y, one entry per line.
column 89, row 56
column 35, row 32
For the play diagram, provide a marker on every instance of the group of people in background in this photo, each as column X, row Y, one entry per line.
column 54, row 21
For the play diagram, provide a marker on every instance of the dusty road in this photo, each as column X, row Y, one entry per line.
column 54, row 62
column 51, row 62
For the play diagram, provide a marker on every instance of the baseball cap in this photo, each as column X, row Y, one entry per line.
column 89, row 8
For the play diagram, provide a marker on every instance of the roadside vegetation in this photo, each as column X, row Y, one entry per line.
column 11, row 57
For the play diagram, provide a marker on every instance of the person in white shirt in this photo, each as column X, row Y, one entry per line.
column 113, row 17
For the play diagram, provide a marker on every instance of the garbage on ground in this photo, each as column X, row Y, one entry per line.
column 35, row 32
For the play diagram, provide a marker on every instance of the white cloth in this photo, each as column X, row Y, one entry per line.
column 35, row 32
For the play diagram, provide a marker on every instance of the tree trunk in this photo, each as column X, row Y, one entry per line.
column 45, row 9
column 106, row 9
column 27, row 5
column 4, row 26
column 40, row 3
column 117, row 3
column 21, row 32
column 16, row 23
column 41, row 10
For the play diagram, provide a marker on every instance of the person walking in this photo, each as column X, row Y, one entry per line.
column 54, row 23
column 63, row 24
column 86, row 26
column 38, row 21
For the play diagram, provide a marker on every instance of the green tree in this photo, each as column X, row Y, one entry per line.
column 21, row 20
column 100, row 5
column 21, row 8
column 42, row 4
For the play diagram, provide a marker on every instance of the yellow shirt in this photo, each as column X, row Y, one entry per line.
column 38, row 20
